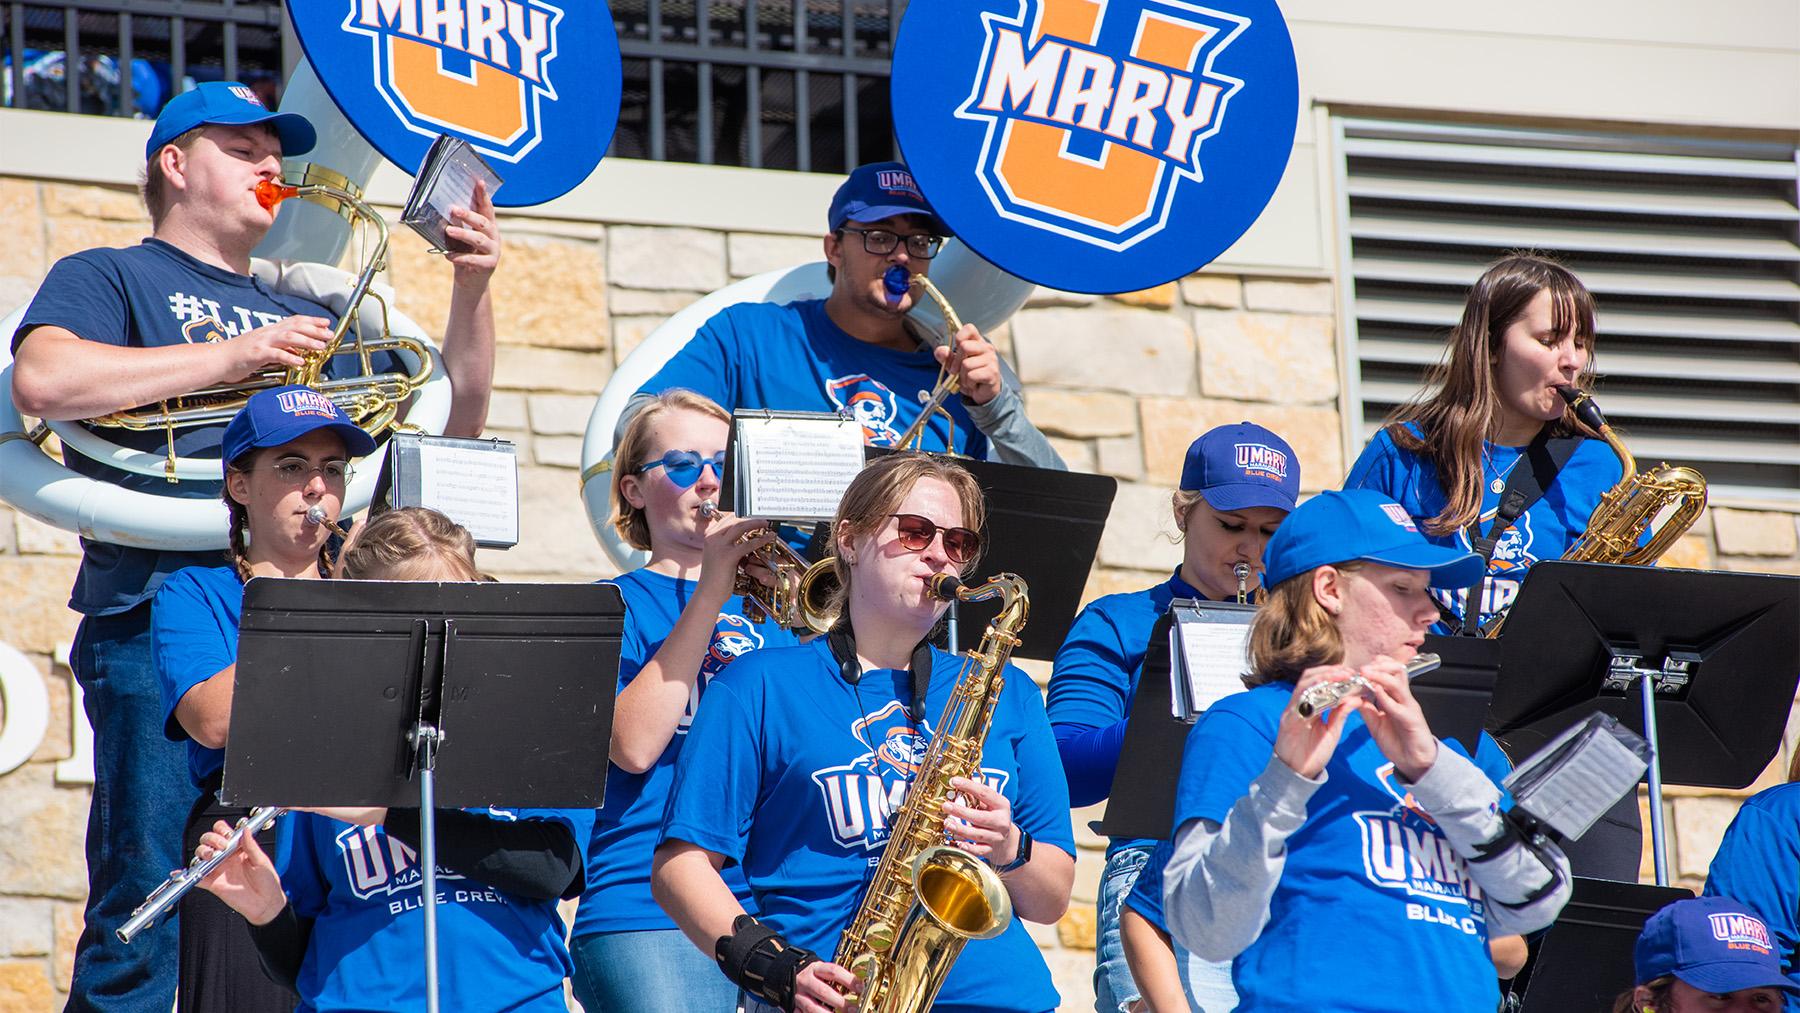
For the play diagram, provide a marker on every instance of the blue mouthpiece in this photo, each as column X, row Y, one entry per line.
column 898, row 281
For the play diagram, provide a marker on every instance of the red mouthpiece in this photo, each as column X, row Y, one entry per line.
column 270, row 193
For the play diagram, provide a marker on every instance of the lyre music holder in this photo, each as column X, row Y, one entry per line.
column 1702, row 664
column 366, row 693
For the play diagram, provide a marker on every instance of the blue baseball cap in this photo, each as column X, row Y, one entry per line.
column 1713, row 944
column 881, row 190
column 1240, row 466
column 284, row 414
column 231, row 103
column 1361, row 524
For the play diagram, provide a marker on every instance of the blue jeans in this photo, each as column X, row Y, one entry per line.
column 141, row 799
column 1207, row 985
column 653, row 971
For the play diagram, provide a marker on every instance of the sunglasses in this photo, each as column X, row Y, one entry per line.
column 960, row 544
column 683, row 466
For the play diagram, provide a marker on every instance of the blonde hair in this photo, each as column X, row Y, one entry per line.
column 1292, row 632
column 411, row 543
column 629, row 520
column 877, row 492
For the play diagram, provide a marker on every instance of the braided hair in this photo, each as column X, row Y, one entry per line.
column 238, row 546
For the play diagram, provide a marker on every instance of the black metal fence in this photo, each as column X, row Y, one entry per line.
column 779, row 84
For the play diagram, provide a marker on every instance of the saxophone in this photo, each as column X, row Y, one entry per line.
column 929, row 897
column 1674, row 495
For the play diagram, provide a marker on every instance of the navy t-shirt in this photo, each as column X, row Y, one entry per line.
column 147, row 296
column 792, row 357
column 793, row 773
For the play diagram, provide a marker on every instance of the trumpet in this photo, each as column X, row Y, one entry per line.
column 1324, row 695
column 800, row 597
column 1240, row 570
column 181, row 881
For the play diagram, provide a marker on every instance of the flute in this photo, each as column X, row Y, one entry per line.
column 182, row 880
column 1323, row 695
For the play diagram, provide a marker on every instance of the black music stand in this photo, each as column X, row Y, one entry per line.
column 1585, row 958
column 1702, row 664
column 345, row 690
column 1045, row 526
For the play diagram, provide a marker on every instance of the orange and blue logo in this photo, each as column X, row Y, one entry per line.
column 533, row 85
column 1068, row 132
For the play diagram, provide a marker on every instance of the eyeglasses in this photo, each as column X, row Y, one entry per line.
column 295, row 471
column 881, row 242
column 683, row 466
column 960, row 544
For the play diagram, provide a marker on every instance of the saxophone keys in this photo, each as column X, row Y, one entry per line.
column 880, row 939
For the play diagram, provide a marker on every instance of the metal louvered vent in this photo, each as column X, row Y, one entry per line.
column 1691, row 248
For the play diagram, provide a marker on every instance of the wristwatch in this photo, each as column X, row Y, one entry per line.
column 1022, row 857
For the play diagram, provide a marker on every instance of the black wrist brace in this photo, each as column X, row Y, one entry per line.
column 760, row 962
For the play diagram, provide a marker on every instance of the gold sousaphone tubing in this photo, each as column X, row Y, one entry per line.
column 371, row 400
column 898, row 281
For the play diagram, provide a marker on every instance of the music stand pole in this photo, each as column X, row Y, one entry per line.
column 426, row 737
column 1647, row 682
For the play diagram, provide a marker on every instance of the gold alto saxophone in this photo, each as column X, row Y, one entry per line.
column 1674, row 495
column 371, row 400
column 929, row 897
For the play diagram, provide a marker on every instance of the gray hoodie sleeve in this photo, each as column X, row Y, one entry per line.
column 1012, row 437
column 1217, row 885
column 1514, row 878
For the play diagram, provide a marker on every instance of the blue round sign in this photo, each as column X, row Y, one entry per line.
column 1096, row 146
column 532, row 84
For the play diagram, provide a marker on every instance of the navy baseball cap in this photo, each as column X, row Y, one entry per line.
column 231, row 103
column 284, row 414
column 1713, row 944
column 881, row 190
column 1240, row 466
column 1364, row 525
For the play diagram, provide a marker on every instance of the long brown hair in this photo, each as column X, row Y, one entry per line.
column 1458, row 406
column 628, row 520
column 411, row 543
column 1292, row 632
column 879, row 489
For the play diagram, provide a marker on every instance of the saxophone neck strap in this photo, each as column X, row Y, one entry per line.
column 842, row 641
column 1525, row 485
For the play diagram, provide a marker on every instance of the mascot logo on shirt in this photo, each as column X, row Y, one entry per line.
column 376, row 865
column 862, row 796
column 1095, row 117
column 733, row 637
column 1403, row 850
column 203, row 320
column 476, row 68
column 1741, row 931
column 1513, row 555
column 870, row 403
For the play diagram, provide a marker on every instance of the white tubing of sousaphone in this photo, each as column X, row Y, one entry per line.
column 304, row 230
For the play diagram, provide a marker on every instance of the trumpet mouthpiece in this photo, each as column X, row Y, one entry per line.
column 315, row 516
column 270, row 193
column 944, row 587
column 708, row 508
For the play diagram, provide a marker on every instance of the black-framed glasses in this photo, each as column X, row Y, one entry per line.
column 960, row 544
column 296, row 471
column 683, row 466
column 881, row 242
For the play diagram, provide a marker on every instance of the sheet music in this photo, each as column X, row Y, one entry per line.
column 797, row 469
column 1211, row 658
column 477, row 487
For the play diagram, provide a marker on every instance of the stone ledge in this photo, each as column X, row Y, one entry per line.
column 1754, row 532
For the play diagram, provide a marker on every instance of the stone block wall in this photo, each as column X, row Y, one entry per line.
column 1121, row 385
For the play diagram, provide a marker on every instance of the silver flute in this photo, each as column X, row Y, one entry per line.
column 1323, row 695
column 1242, row 572
column 182, row 880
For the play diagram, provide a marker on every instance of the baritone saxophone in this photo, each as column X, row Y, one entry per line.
column 929, row 897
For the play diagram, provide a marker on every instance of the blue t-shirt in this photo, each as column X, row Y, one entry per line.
column 194, row 636
column 146, row 296
column 1146, row 896
column 499, row 952
column 618, row 864
column 1094, row 680
column 1758, row 865
column 792, row 357
column 1372, row 904
column 1544, row 531
column 793, row 772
